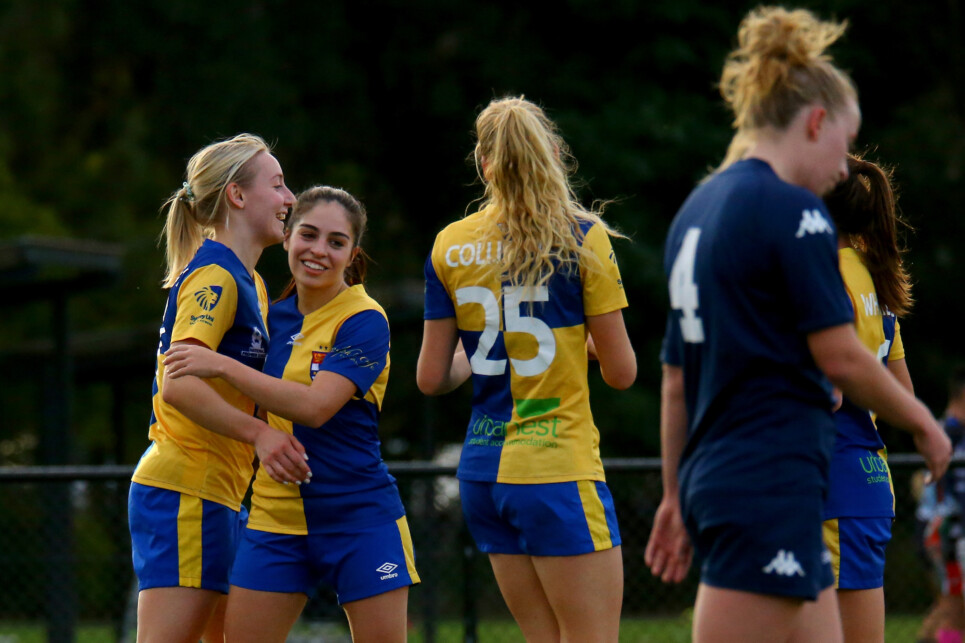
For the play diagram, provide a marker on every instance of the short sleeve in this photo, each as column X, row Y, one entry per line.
column 806, row 246
column 897, row 347
column 207, row 303
column 672, row 342
column 602, row 286
column 263, row 301
column 360, row 350
column 438, row 304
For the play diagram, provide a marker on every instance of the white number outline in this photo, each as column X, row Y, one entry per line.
column 684, row 294
column 479, row 361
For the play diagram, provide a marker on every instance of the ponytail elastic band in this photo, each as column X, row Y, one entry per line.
column 188, row 193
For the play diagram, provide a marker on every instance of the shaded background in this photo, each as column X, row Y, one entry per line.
column 103, row 101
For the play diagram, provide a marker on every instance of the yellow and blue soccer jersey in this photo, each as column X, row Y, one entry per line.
column 531, row 420
column 217, row 302
column 350, row 486
column 860, row 479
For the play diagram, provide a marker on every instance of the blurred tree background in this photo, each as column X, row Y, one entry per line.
column 103, row 101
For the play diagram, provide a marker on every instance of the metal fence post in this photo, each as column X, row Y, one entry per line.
column 470, row 618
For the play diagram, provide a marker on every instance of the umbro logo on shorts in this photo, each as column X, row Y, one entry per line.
column 387, row 570
column 784, row 564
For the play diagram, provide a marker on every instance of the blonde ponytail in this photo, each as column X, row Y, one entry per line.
column 525, row 166
column 199, row 204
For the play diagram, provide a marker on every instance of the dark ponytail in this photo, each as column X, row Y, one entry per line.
column 864, row 207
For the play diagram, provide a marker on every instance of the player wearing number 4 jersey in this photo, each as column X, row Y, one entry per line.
column 522, row 284
column 759, row 323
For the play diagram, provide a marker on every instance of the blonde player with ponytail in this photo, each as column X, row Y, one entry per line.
column 515, row 293
column 760, row 327
column 185, row 508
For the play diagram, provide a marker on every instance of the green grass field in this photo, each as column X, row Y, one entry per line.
column 652, row 630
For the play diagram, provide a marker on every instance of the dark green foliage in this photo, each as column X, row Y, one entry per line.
column 103, row 101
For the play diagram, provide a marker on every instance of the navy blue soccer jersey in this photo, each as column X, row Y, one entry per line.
column 752, row 266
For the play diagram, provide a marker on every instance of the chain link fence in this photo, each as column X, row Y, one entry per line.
column 65, row 567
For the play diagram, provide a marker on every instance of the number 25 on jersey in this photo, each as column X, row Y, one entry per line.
column 683, row 288
column 515, row 323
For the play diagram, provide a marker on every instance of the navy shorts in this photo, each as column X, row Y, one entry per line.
column 357, row 564
column 766, row 545
column 857, row 547
column 554, row 519
column 179, row 540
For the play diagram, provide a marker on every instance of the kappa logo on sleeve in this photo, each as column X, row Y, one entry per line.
column 812, row 222
column 208, row 297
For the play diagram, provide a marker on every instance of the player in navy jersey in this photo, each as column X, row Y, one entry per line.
column 514, row 295
column 759, row 323
column 859, row 507
column 185, row 501
column 324, row 381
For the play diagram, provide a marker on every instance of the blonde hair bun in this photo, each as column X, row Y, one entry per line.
column 780, row 64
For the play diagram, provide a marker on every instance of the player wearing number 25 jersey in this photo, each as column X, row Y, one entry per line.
column 531, row 420
column 518, row 295
column 752, row 265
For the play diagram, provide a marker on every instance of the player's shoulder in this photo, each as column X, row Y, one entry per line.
column 357, row 299
column 213, row 261
column 467, row 230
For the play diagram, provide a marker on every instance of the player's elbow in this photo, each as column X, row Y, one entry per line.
column 430, row 379
column 429, row 384
column 171, row 393
column 621, row 375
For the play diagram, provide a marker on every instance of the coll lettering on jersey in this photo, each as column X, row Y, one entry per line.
column 469, row 254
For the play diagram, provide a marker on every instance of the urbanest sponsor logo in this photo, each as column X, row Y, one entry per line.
column 534, row 428
column 387, row 570
column 876, row 467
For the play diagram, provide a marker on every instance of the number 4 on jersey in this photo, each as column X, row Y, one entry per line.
column 683, row 289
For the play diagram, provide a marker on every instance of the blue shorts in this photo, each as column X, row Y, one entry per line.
column 766, row 545
column 179, row 540
column 357, row 564
column 857, row 547
column 554, row 519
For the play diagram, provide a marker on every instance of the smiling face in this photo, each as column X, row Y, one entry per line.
column 266, row 199
column 320, row 246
